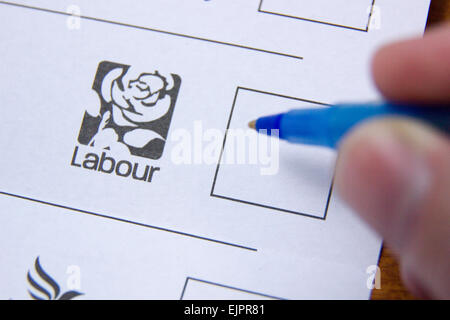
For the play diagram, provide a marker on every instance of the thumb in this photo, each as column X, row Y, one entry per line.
column 395, row 173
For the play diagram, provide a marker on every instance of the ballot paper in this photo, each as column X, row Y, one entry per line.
column 127, row 168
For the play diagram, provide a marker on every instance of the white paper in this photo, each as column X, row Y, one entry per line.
column 147, row 75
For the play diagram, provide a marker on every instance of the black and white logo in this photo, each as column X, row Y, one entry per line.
column 135, row 111
column 44, row 287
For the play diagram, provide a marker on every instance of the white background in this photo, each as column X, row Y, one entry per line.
column 47, row 74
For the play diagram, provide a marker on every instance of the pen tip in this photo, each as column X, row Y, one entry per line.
column 252, row 124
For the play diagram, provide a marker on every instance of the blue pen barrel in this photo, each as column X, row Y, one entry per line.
column 325, row 127
column 306, row 127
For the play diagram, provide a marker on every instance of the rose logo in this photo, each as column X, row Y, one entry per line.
column 134, row 112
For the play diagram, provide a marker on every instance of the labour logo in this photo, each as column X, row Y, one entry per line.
column 134, row 113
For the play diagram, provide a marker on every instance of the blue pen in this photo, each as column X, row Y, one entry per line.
column 326, row 126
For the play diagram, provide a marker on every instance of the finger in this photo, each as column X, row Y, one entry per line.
column 395, row 173
column 415, row 70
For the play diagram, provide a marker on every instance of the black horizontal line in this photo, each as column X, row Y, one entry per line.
column 315, row 21
column 227, row 287
column 267, row 207
column 154, row 30
column 319, row 21
column 128, row 221
column 282, row 96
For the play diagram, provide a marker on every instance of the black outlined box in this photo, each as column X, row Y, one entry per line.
column 349, row 14
column 302, row 181
column 197, row 289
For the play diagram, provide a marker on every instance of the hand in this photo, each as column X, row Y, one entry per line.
column 395, row 173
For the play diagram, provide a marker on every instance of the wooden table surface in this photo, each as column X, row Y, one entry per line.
column 391, row 284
